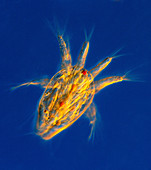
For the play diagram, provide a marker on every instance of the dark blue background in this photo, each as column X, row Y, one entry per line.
column 29, row 50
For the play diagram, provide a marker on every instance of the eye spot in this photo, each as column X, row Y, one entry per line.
column 61, row 104
column 84, row 72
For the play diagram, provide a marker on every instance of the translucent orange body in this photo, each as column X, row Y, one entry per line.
column 70, row 92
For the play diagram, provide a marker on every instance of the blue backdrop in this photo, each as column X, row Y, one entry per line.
column 29, row 50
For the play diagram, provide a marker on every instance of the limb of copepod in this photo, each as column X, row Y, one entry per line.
column 103, row 64
column 42, row 82
column 65, row 54
column 64, row 50
column 84, row 51
column 82, row 56
column 91, row 115
column 100, row 84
